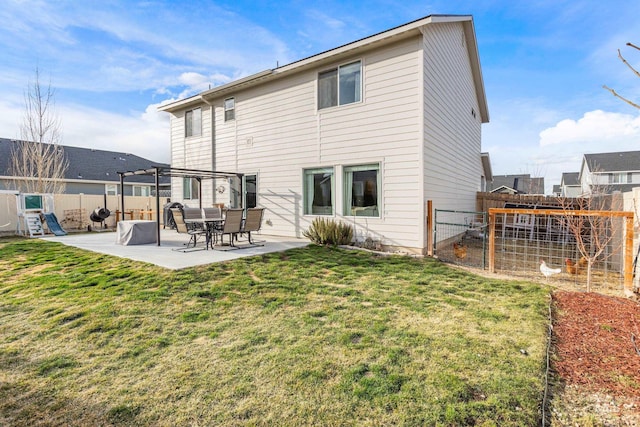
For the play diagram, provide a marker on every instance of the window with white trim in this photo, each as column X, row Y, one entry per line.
column 193, row 122
column 318, row 191
column 361, row 190
column 340, row 86
column 229, row 109
column 111, row 189
column 141, row 190
column 620, row 178
column 190, row 188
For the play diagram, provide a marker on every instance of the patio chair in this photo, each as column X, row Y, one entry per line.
column 253, row 222
column 231, row 226
column 212, row 213
column 181, row 227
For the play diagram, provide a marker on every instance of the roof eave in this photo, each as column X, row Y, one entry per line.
column 395, row 34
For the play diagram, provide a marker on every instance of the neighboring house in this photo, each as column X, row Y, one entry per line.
column 610, row 172
column 517, row 184
column 556, row 190
column 570, row 184
column 365, row 133
column 93, row 171
column 487, row 173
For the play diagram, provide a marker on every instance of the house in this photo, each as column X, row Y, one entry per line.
column 610, row 172
column 570, row 184
column 365, row 133
column 92, row 171
column 487, row 172
column 556, row 190
column 517, row 184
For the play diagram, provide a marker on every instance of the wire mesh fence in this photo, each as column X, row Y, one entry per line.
column 591, row 250
column 569, row 242
column 461, row 237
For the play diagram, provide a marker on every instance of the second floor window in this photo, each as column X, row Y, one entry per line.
column 229, row 109
column 340, row 86
column 193, row 122
column 619, row 178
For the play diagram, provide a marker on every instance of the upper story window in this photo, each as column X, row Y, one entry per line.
column 229, row 109
column 340, row 86
column 620, row 178
column 193, row 122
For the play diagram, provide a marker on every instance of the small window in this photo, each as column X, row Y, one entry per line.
column 193, row 122
column 190, row 189
column 229, row 109
column 362, row 190
column 318, row 191
column 340, row 86
column 111, row 189
column 141, row 190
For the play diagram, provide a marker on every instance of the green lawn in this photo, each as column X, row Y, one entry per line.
column 313, row 336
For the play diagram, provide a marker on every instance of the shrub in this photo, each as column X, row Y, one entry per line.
column 329, row 232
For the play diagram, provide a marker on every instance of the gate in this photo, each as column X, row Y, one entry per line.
column 460, row 237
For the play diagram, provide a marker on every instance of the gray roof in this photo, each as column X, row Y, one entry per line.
column 522, row 183
column 92, row 165
column 570, row 178
column 613, row 162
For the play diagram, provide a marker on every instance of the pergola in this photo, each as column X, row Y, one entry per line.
column 159, row 171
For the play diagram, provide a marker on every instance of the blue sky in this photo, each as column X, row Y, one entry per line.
column 113, row 63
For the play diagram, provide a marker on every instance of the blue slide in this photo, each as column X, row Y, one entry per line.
column 54, row 225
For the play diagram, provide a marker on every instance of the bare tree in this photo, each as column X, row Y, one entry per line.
column 597, row 235
column 37, row 162
column 625, row 62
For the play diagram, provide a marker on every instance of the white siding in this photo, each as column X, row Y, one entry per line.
column 414, row 120
column 452, row 135
column 278, row 132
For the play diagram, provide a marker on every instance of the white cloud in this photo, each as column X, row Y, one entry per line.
column 562, row 146
column 594, row 129
column 144, row 134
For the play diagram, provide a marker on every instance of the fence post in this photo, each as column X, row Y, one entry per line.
column 628, row 253
column 430, row 228
column 492, row 241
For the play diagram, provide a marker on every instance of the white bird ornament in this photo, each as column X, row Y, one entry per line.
column 548, row 271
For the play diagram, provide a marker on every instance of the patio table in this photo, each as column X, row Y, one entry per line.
column 209, row 225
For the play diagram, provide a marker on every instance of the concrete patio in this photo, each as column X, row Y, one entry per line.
column 168, row 255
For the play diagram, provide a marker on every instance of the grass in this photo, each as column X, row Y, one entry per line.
column 313, row 336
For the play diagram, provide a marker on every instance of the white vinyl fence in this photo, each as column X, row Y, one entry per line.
column 73, row 210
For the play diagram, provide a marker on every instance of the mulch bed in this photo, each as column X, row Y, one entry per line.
column 597, row 340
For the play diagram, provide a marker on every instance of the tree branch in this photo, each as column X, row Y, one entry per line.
column 633, row 104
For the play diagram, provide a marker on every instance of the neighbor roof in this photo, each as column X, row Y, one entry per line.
column 87, row 164
column 390, row 36
column 613, row 162
column 570, row 178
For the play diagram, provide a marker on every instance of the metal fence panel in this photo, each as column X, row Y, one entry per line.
column 461, row 237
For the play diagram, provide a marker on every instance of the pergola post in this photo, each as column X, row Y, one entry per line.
column 157, row 176
column 121, row 194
